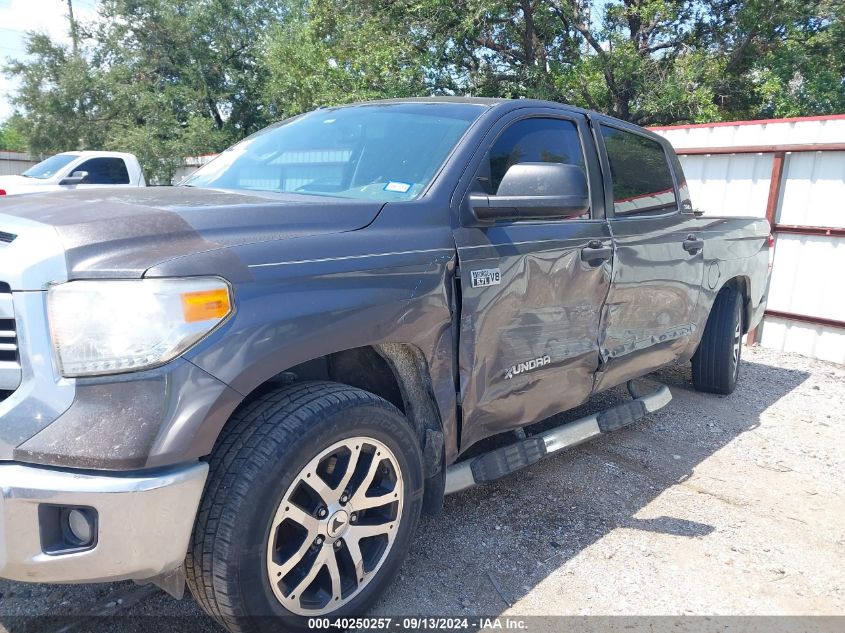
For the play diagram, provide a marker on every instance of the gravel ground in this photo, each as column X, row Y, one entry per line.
column 713, row 506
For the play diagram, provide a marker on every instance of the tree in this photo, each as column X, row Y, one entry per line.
column 338, row 51
column 170, row 78
column 58, row 98
column 159, row 78
column 183, row 77
column 780, row 59
column 12, row 134
column 645, row 61
column 638, row 60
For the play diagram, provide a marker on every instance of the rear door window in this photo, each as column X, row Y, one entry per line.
column 642, row 181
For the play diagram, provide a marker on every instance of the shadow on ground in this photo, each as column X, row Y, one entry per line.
column 492, row 544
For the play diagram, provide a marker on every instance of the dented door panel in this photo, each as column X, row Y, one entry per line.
column 529, row 343
column 658, row 264
column 649, row 316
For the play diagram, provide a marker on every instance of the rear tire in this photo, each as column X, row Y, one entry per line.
column 716, row 363
column 313, row 495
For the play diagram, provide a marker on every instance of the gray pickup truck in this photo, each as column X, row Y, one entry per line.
column 255, row 383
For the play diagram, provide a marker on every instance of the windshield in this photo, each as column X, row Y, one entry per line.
column 375, row 152
column 48, row 167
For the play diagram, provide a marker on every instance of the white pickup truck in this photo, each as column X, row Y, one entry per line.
column 76, row 170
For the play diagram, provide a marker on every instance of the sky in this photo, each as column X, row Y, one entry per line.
column 19, row 16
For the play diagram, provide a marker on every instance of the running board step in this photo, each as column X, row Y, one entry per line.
column 509, row 459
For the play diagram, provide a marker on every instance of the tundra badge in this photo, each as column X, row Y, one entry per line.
column 534, row 363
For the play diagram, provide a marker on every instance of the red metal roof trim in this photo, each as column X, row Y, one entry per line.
column 763, row 149
column 791, row 316
column 824, row 231
column 795, row 119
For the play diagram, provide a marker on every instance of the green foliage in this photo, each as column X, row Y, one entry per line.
column 58, row 98
column 645, row 61
column 805, row 73
column 170, row 78
column 12, row 134
column 784, row 58
column 160, row 78
column 339, row 51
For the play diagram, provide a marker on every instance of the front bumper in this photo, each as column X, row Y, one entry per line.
column 144, row 522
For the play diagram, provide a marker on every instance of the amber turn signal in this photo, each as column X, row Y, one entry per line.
column 205, row 305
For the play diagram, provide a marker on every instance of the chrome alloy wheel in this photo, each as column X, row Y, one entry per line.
column 335, row 526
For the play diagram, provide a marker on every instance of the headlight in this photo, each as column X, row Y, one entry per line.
column 109, row 327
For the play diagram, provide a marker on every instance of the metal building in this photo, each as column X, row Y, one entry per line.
column 14, row 163
column 791, row 171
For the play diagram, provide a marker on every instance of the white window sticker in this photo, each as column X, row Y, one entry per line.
column 398, row 187
column 486, row 277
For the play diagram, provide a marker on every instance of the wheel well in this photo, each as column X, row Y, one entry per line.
column 361, row 367
column 396, row 372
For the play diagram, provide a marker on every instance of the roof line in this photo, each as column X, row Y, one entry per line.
column 794, row 119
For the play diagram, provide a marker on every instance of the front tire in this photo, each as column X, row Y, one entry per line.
column 313, row 495
column 716, row 363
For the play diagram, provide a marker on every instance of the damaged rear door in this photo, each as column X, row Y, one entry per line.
column 532, row 290
column 659, row 256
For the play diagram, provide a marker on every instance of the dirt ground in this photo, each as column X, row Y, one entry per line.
column 712, row 506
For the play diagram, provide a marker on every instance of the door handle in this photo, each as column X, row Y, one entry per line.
column 692, row 244
column 595, row 253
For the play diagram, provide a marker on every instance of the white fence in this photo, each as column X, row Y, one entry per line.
column 791, row 171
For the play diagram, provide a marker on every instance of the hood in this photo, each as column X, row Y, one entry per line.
column 122, row 233
column 18, row 184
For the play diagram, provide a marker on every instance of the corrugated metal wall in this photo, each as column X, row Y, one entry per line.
column 808, row 269
column 813, row 189
column 729, row 184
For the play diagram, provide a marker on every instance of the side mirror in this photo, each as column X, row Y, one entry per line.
column 534, row 191
column 76, row 178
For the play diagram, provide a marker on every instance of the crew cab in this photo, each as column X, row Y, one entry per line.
column 255, row 383
column 69, row 171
